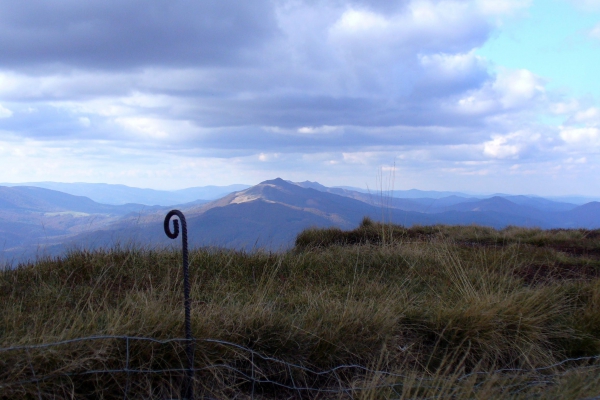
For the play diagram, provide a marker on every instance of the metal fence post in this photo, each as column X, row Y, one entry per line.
column 187, row 391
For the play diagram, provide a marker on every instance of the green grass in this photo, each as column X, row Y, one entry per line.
column 430, row 303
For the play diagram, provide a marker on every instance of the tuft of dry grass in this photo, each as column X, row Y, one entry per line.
column 428, row 304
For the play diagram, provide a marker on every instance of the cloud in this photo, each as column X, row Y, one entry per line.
column 311, row 130
column 499, row 147
column 5, row 112
column 581, row 137
column 276, row 84
column 510, row 91
column 156, row 129
column 111, row 34
column 590, row 116
column 501, row 7
column 422, row 27
column 511, row 145
column 270, row 157
column 313, row 64
column 517, row 88
column 564, row 107
column 587, row 5
column 85, row 122
column 595, row 32
column 362, row 64
column 450, row 74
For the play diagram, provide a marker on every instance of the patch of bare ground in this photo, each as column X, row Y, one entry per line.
column 551, row 273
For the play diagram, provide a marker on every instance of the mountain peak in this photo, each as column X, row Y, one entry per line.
column 592, row 205
column 276, row 181
column 312, row 185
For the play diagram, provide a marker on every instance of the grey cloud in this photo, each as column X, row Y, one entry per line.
column 251, row 140
column 49, row 123
column 115, row 34
column 298, row 111
column 193, row 56
column 432, row 81
column 43, row 122
column 385, row 6
column 360, row 125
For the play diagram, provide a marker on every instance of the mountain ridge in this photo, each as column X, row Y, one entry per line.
column 267, row 215
column 117, row 194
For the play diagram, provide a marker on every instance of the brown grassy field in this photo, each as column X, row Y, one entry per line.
column 442, row 308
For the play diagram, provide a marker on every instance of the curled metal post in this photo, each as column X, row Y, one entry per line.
column 188, row 389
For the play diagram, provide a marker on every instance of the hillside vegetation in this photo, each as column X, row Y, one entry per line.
column 443, row 308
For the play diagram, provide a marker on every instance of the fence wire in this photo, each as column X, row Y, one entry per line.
column 256, row 370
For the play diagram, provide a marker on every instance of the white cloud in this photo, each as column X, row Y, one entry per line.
column 510, row 145
column 375, row 50
column 312, row 130
column 499, row 147
column 518, row 87
column 590, row 115
column 155, row 128
column 587, row 5
column 496, row 7
column 581, row 160
column 85, row 122
column 453, row 66
column 268, row 157
column 5, row 112
column 562, row 107
column 516, row 90
column 581, row 137
column 359, row 22
column 475, row 104
column 595, row 32
column 422, row 26
column 359, row 157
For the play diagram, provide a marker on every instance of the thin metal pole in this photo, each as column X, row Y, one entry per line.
column 187, row 392
column 126, row 394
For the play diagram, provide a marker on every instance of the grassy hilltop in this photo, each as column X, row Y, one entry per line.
column 429, row 304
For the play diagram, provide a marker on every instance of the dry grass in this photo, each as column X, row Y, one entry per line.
column 429, row 303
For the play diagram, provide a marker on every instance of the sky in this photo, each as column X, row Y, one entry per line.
column 481, row 96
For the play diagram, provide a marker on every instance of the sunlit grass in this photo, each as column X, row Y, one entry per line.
column 429, row 303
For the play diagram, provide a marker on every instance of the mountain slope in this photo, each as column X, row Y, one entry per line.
column 35, row 199
column 436, row 202
column 122, row 194
column 495, row 204
column 540, row 203
column 374, row 199
column 32, row 218
column 585, row 216
column 325, row 204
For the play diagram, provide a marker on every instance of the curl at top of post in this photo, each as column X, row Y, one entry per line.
column 170, row 215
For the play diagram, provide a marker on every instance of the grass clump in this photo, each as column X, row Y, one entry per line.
column 429, row 311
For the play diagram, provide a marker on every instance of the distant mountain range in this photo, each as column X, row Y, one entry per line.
column 269, row 215
column 121, row 194
column 33, row 217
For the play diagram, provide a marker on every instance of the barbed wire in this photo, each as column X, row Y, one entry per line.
column 531, row 378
